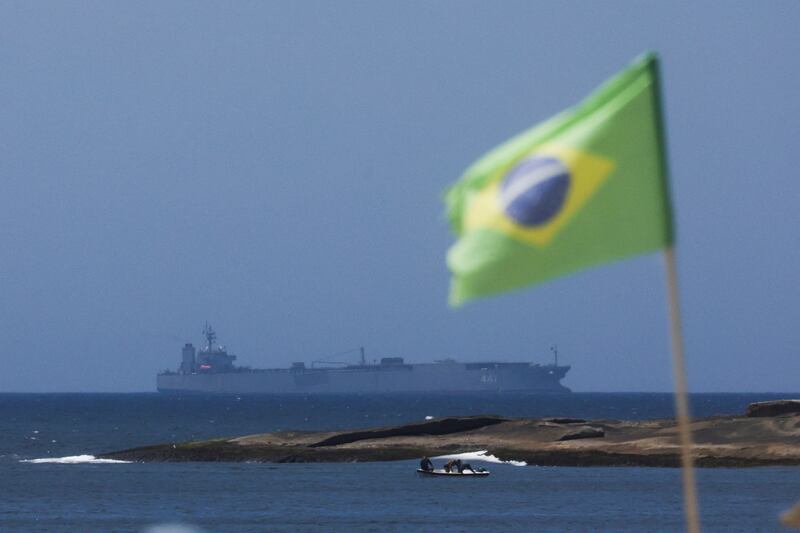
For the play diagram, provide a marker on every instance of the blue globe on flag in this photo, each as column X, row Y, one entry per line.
column 534, row 190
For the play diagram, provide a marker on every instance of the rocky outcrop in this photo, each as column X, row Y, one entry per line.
column 774, row 408
column 586, row 432
column 728, row 441
column 441, row 426
column 565, row 420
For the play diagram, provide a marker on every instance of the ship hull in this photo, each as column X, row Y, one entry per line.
column 433, row 377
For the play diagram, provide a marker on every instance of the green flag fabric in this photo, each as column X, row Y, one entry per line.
column 582, row 188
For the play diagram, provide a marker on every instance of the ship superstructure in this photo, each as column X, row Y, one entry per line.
column 212, row 370
column 209, row 360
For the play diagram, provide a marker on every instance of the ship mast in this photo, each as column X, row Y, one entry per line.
column 554, row 349
column 210, row 336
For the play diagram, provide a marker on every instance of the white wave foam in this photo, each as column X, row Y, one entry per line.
column 172, row 528
column 73, row 460
column 480, row 455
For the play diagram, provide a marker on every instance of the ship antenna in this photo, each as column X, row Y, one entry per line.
column 554, row 349
column 210, row 335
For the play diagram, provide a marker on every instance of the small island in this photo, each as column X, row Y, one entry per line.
column 767, row 435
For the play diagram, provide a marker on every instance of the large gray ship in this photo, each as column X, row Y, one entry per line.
column 211, row 370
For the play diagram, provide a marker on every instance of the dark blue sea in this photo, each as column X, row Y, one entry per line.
column 72, row 493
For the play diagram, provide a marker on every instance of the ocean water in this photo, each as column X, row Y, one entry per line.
column 49, row 481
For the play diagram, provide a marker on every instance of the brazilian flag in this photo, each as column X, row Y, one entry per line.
column 582, row 188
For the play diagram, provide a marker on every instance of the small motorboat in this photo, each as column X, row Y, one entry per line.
column 441, row 472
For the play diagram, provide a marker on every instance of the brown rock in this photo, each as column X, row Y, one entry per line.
column 586, row 432
column 721, row 441
column 774, row 408
column 566, row 420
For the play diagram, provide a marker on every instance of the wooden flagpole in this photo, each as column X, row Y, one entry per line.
column 681, row 396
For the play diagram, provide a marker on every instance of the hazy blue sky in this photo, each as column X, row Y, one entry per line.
column 277, row 170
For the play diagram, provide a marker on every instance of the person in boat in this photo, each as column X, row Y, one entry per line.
column 453, row 465
column 426, row 465
column 465, row 466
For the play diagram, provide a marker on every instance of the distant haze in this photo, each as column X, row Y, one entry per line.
column 277, row 169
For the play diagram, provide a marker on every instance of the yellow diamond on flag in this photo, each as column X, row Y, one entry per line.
column 537, row 196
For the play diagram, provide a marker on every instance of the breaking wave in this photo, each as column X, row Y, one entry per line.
column 481, row 455
column 73, row 460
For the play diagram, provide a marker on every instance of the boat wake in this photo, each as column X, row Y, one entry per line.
column 73, row 460
column 481, row 455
